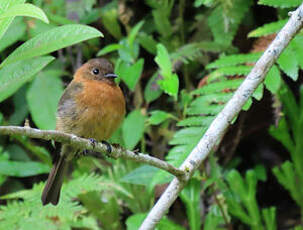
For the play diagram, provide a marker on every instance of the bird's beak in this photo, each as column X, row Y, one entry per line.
column 111, row 75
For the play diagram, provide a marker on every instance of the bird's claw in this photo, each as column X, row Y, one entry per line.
column 108, row 147
column 93, row 142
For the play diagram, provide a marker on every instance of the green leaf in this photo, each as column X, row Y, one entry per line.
column 133, row 129
column 289, row 63
column 130, row 74
column 52, row 40
column 14, row 33
column 273, row 80
column 170, row 85
column 163, row 61
column 22, row 169
column 233, row 60
column 269, row 216
column 190, row 195
column 25, row 9
column 158, row 116
column 280, row 3
column 4, row 6
column 152, row 90
column 267, row 29
column 109, row 48
column 133, row 33
column 147, row 42
column 141, row 175
column 258, row 94
column 45, row 90
column 20, row 107
column 14, row 75
column 110, row 21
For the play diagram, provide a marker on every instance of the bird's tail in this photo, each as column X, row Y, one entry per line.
column 51, row 191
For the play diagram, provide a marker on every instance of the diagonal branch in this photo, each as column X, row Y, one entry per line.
column 81, row 143
column 224, row 118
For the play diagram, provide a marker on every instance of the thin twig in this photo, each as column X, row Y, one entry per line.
column 225, row 117
column 82, row 143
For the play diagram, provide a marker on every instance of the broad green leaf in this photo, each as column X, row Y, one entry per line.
column 267, row 29
column 52, row 40
column 163, row 61
column 109, row 48
column 152, row 90
column 158, row 116
column 130, row 74
column 20, row 107
column 14, row 75
column 4, row 6
column 170, row 85
column 22, row 169
column 133, row 129
column 14, row 33
column 273, row 80
column 44, row 91
column 25, row 9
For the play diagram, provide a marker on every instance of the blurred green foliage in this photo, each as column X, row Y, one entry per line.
column 175, row 61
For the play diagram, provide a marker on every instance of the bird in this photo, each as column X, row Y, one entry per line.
column 92, row 106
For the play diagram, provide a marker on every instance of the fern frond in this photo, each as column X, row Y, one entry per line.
column 196, row 121
column 268, row 29
column 233, row 60
column 220, row 86
column 230, row 71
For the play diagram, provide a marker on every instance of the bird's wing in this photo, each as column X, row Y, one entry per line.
column 67, row 108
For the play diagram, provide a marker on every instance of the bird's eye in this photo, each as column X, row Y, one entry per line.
column 96, row 71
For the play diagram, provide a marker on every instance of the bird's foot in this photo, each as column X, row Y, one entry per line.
column 93, row 142
column 108, row 147
column 136, row 151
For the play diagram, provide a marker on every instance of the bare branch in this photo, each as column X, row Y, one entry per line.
column 224, row 118
column 81, row 143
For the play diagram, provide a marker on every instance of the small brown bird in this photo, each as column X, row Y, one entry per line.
column 92, row 106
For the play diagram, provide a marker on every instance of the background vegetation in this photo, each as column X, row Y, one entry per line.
column 179, row 62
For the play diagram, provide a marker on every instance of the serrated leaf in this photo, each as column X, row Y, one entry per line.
column 273, row 80
column 133, row 129
column 267, row 29
column 45, row 90
column 280, row 3
column 14, row 75
column 52, row 40
column 130, row 74
column 25, row 9
column 22, row 169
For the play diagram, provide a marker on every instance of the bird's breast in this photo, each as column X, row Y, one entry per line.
column 103, row 109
